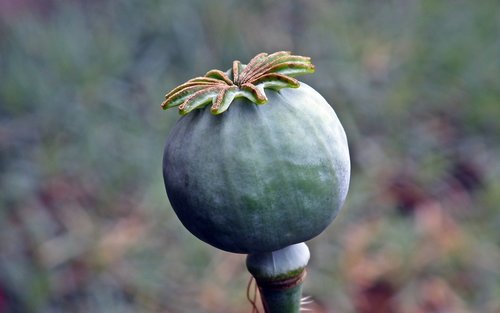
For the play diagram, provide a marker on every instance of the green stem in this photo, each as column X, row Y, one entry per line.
column 279, row 276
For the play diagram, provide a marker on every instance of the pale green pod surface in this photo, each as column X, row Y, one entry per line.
column 258, row 178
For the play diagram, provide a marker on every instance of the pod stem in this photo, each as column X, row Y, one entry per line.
column 279, row 276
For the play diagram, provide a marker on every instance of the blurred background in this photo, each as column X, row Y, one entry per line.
column 85, row 225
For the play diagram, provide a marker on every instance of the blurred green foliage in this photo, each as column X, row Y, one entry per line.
column 85, row 225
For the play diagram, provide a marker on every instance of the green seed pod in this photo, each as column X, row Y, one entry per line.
column 256, row 178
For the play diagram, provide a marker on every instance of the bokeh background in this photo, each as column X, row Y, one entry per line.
column 85, row 225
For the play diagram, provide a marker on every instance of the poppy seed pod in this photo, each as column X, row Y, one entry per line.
column 265, row 165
